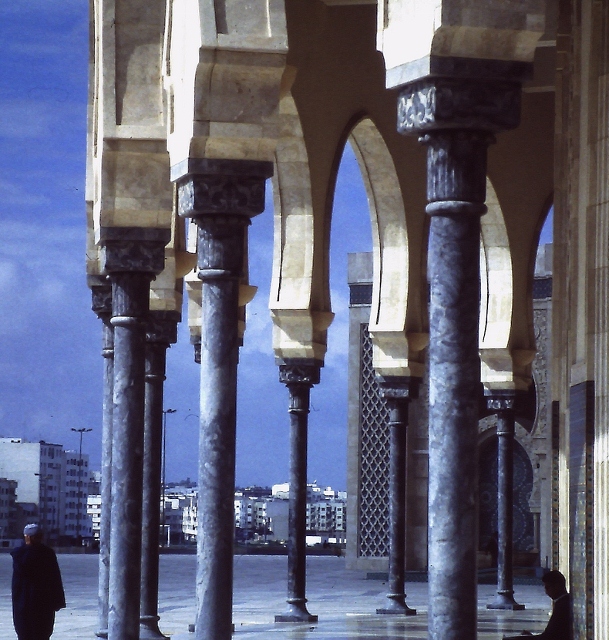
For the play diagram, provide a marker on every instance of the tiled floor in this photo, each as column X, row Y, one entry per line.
column 344, row 601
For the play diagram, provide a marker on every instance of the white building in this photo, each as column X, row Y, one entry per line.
column 8, row 511
column 172, row 530
column 94, row 513
column 189, row 519
column 77, row 521
column 250, row 513
column 48, row 478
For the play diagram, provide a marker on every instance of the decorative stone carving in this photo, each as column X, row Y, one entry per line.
column 162, row 327
column 449, row 103
column 398, row 387
column 540, row 371
column 133, row 249
column 208, row 187
column 299, row 373
column 101, row 296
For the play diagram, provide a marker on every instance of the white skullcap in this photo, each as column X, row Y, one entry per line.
column 31, row 530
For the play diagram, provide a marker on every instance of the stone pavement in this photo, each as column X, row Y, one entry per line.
column 344, row 601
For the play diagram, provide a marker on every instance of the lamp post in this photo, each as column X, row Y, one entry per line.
column 80, row 431
column 165, row 412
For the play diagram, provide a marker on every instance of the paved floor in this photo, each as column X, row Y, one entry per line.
column 344, row 601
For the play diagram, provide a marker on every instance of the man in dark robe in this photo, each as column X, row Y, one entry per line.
column 560, row 625
column 37, row 588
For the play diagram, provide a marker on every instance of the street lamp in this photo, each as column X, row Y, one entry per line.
column 165, row 412
column 80, row 431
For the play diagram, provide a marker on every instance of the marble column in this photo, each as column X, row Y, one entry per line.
column 131, row 256
column 456, row 119
column 101, row 293
column 397, row 392
column 160, row 334
column 502, row 404
column 298, row 376
column 221, row 196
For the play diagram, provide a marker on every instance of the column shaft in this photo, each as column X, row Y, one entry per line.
column 130, row 294
column 102, row 305
column 397, row 393
column 454, row 374
column 456, row 118
column 219, row 357
column 505, row 502
column 297, row 561
column 161, row 331
column 298, row 379
column 221, row 196
column 505, row 487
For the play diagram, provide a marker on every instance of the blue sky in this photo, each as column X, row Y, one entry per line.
column 50, row 363
column 50, row 341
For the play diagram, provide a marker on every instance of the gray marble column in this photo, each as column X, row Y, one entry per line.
column 131, row 257
column 299, row 376
column 160, row 334
column 456, row 119
column 502, row 403
column 221, row 196
column 397, row 392
column 101, row 291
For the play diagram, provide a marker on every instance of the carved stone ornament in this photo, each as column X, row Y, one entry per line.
column 448, row 103
column 101, row 299
column 162, row 327
column 299, row 373
column 501, row 402
column 133, row 249
column 398, row 387
column 223, row 187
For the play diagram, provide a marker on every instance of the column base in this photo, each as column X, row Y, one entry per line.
column 504, row 600
column 397, row 607
column 296, row 612
column 149, row 628
column 102, row 633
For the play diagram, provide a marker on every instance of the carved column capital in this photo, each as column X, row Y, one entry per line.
column 398, row 387
column 133, row 249
column 441, row 103
column 209, row 187
column 222, row 196
column 162, row 327
column 497, row 400
column 294, row 371
column 101, row 296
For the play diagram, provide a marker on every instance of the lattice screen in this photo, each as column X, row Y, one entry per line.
column 374, row 459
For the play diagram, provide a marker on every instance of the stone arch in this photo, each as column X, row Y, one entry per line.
column 497, row 293
column 394, row 346
column 299, row 329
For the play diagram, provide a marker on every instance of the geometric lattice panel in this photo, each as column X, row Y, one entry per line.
column 374, row 459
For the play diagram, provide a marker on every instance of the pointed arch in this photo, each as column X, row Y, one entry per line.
column 299, row 331
column 497, row 288
column 395, row 350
